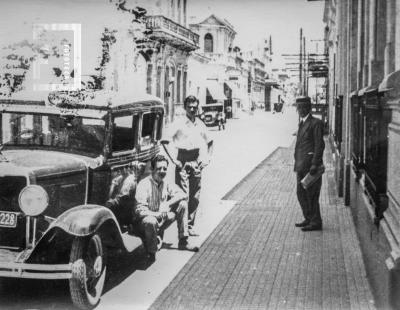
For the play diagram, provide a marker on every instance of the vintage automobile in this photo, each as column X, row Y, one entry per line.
column 60, row 163
column 211, row 112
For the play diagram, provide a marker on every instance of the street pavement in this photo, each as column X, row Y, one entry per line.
column 257, row 259
column 237, row 150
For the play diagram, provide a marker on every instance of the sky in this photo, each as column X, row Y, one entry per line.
column 255, row 20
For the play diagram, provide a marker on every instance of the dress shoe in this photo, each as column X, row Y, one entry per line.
column 186, row 246
column 302, row 224
column 151, row 257
column 312, row 227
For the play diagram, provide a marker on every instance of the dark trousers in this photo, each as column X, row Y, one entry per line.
column 189, row 180
column 309, row 200
column 151, row 227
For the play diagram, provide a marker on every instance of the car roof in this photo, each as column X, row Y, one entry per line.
column 94, row 105
column 212, row 105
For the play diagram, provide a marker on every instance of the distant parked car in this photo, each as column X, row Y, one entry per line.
column 59, row 164
column 212, row 114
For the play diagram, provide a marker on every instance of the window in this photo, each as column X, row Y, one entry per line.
column 149, row 78
column 124, row 132
column 376, row 150
column 338, row 121
column 178, row 86
column 184, row 85
column 208, row 43
column 151, row 128
column 356, row 130
column 66, row 132
column 158, row 92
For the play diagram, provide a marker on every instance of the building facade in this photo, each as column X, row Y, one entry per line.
column 363, row 41
column 167, row 49
column 216, row 37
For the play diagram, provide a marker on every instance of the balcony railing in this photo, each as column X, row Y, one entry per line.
column 168, row 30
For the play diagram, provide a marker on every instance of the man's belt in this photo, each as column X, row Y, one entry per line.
column 188, row 155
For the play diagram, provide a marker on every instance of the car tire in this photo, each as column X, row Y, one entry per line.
column 88, row 271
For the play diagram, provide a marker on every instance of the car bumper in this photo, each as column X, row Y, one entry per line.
column 36, row 271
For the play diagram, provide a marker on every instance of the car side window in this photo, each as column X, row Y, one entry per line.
column 124, row 133
column 150, row 126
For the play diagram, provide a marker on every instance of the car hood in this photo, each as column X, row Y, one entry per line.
column 42, row 163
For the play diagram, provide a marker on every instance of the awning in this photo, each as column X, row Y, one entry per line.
column 271, row 82
column 216, row 90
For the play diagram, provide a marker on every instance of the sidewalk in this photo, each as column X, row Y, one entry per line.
column 256, row 259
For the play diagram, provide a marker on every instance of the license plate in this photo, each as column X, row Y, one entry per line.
column 8, row 219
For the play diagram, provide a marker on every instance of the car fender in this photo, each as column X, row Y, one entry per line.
column 80, row 221
column 84, row 220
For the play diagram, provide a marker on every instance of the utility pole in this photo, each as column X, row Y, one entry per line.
column 301, row 63
column 305, row 79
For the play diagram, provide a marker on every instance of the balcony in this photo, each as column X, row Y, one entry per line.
column 167, row 31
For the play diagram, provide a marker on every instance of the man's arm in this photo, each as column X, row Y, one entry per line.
column 167, row 150
column 319, row 146
column 206, row 149
column 176, row 194
column 168, row 137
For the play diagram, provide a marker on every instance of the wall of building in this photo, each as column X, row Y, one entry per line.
column 167, row 63
column 363, row 47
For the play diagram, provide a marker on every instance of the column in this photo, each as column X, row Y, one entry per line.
column 397, row 36
column 184, row 13
column 366, row 42
column 360, row 43
column 377, row 41
column 390, row 37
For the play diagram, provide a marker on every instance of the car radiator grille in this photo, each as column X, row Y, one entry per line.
column 11, row 237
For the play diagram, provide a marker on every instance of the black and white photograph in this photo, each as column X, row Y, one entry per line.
column 199, row 154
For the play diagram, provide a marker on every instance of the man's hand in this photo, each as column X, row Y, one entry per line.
column 170, row 216
column 202, row 165
column 159, row 215
column 178, row 163
column 313, row 169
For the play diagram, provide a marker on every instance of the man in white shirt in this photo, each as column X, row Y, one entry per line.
column 190, row 152
column 158, row 203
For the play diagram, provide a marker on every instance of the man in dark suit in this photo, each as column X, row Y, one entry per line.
column 308, row 154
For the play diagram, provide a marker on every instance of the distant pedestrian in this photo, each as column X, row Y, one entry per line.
column 308, row 154
column 190, row 152
column 228, row 111
column 221, row 120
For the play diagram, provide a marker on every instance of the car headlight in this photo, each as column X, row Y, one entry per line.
column 33, row 200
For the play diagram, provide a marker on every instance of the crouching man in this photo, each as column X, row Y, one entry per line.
column 158, row 203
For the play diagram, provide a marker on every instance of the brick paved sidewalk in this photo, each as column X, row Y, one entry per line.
column 257, row 259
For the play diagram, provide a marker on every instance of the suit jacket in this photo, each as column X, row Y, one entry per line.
column 310, row 145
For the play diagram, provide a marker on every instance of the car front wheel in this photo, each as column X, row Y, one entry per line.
column 88, row 271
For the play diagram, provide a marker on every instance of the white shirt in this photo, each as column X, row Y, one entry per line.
column 150, row 195
column 303, row 119
column 188, row 135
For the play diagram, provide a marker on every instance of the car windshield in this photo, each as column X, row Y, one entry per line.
column 212, row 109
column 65, row 132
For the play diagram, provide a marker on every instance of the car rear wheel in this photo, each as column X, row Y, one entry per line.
column 88, row 271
